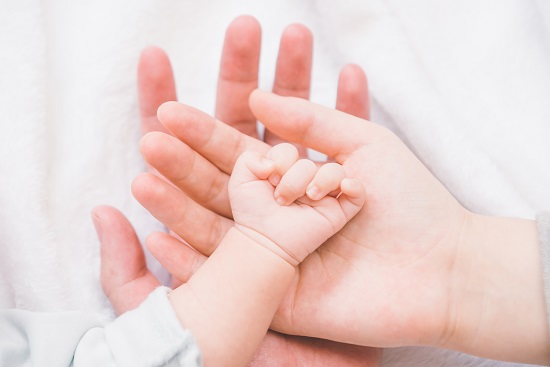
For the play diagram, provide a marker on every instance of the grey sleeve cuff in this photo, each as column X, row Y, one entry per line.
column 150, row 335
column 543, row 223
column 153, row 331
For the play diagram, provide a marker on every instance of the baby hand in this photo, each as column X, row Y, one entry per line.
column 290, row 205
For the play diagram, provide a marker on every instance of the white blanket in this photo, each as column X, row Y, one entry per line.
column 464, row 83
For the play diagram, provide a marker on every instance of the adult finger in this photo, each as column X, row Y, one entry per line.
column 214, row 140
column 187, row 170
column 326, row 130
column 125, row 278
column 198, row 226
column 239, row 74
column 176, row 257
column 293, row 70
column 155, row 86
column 353, row 92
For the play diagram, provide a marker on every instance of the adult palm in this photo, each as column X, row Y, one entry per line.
column 386, row 278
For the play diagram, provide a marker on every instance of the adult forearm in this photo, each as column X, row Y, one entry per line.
column 500, row 310
column 229, row 303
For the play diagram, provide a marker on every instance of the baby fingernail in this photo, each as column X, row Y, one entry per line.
column 267, row 163
column 312, row 192
column 275, row 179
column 279, row 199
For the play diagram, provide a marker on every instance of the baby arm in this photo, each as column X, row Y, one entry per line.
column 230, row 301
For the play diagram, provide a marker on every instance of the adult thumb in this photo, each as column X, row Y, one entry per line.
column 125, row 278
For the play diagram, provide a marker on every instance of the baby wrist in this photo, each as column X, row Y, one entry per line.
column 267, row 243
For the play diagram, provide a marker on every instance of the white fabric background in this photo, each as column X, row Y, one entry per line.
column 464, row 83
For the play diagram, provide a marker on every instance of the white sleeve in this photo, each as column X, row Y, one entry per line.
column 150, row 335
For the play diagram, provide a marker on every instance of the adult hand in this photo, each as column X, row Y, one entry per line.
column 371, row 267
column 125, row 277
column 410, row 269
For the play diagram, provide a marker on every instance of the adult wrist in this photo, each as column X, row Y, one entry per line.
column 498, row 308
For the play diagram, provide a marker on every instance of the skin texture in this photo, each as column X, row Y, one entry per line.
column 362, row 251
column 410, row 269
column 125, row 278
